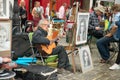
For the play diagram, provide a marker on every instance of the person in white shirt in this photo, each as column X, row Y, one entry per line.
column 47, row 10
column 42, row 9
column 62, row 11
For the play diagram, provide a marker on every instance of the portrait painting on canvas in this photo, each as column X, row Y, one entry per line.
column 82, row 28
column 5, row 37
column 85, row 58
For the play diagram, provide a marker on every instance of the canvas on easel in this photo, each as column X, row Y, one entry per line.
column 82, row 28
column 85, row 58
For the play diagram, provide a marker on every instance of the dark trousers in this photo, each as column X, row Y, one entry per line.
column 96, row 33
column 103, row 46
column 23, row 20
column 118, row 57
column 63, row 61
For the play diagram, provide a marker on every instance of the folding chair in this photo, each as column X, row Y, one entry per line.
column 38, row 53
column 49, row 60
column 32, row 47
column 114, row 50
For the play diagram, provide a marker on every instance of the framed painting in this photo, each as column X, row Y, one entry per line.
column 11, row 9
column 85, row 59
column 82, row 28
column 4, row 9
column 5, row 37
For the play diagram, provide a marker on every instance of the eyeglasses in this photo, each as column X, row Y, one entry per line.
column 46, row 25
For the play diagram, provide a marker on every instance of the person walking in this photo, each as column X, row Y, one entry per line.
column 62, row 11
column 23, row 13
column 37, row 13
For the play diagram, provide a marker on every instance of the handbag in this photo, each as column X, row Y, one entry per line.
column 23, row 16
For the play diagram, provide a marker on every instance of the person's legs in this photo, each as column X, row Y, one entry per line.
column 118, row 56
column 116, row 65
column 63, row 61
column 103, row 48
column 23, row 23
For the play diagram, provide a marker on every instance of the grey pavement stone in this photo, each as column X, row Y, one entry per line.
column 100, row 72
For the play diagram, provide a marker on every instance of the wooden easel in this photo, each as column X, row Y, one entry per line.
column 74, row 39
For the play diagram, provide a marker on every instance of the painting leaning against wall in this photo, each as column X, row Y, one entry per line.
column 4, row 9
column 5, row 37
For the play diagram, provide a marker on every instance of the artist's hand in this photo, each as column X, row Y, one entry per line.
column 9, row 65
column 97, row 28
column 6, row 59
column 52, row 41
column 108, row 35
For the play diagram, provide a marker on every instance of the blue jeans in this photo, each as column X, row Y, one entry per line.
column 103, row 46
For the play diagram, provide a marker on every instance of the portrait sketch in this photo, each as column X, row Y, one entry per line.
column 11, row 9
column 82, row 28
column 5, row 37
column 4, row 9
column 85, row 59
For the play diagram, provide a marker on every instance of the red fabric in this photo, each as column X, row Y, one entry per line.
column 36, row 20
column 44, row 4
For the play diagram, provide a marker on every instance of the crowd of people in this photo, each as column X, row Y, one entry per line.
column 97, row 15
column 41, row 25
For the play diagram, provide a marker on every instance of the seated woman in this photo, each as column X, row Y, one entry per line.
column 39, row 37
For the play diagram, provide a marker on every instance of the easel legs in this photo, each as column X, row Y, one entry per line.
column 73, row 63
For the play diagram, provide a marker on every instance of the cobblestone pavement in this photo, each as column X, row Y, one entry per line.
column 99, row 72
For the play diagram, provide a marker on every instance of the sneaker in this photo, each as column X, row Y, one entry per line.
column 115, row 66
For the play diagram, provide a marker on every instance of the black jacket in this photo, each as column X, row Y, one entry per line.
column 39, row 37
column 23, row 12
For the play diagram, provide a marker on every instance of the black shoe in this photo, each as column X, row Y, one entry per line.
column 69, row 69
